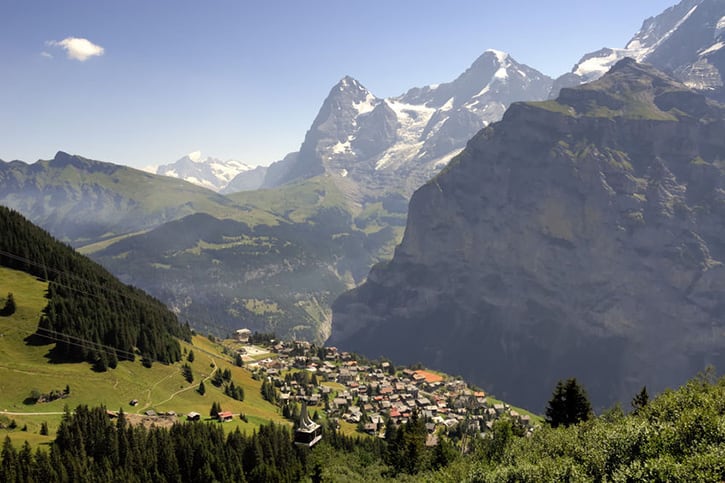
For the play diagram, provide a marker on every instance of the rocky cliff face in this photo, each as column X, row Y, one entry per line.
column 579, row 237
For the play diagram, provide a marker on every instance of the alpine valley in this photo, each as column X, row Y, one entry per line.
column 580, row 231
column 273, row 258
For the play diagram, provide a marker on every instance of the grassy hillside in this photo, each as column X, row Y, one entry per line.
column 245, row 271
column 162, row 388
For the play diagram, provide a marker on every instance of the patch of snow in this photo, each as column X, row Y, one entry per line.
column 500, row 56
column 713, row 48
column 483, row 91
column 595, row 67
column 720, row 27
column 340, row 148
column 343, row 173
column 412, row 121
column 367, row 105
column 171, row 173
column 448, row 105
column 443, row 161
column 501, row 74
column 200, row 182
column 634, row 45
column 195, row 156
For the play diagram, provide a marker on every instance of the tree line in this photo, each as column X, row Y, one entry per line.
column 677, row 436
column 90, row 314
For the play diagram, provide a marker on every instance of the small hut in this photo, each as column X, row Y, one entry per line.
column 308, row 432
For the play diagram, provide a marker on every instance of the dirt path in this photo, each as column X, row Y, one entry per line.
column 50, row 413
column 192, row 386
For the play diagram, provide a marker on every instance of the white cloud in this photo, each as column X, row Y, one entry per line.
column 77, row 48
column 46, row 54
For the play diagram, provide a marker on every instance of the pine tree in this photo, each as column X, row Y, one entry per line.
column 215, row 409
column 202, row 389
column 190, row 357
column 568, row 405
column 640, row 400
column 9, row 308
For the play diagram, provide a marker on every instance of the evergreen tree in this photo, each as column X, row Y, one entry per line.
column 186, row 371
column 238, row 361
column 215, row 409
column 568, row 405
column 640, row 400
column 190, row 357
column 201, row 390
column 9, row 307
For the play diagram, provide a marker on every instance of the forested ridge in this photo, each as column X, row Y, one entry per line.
column 90, row 314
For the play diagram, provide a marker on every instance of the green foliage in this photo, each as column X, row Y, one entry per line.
column 201, row 389
column 190, row 357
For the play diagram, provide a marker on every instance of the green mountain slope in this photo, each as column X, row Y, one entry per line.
column 82, row 201
column 269, row 259
column 225, row 274
column 90, row 313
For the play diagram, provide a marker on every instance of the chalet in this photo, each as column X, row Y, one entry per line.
column 193, row 416
column 242, row 335
column 225, row 416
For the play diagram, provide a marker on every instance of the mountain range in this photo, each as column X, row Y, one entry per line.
column 372, row 145
column 208, row 172
column 275, row 245
column 581, row 236
column 685, row 41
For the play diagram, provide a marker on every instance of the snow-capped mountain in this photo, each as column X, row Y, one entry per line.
column 208, row 172
column 685, row 40
column 374, row 145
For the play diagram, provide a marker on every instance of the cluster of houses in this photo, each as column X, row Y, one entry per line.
column 368, row 394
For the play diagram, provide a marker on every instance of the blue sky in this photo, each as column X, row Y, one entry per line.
column 245, row 79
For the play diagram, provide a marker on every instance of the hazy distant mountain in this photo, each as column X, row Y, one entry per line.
column 208, row 172
column 685, row 40
column 579, row 237
column 372, row 146
column 80, row 200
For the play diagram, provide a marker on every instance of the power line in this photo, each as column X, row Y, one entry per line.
column 135, row 297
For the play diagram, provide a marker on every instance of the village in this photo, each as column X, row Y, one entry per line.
column 344, row 387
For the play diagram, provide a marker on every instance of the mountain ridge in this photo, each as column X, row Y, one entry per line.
column 573, row 235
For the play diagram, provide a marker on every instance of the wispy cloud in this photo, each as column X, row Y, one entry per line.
column 46, row 54
column 77, row 48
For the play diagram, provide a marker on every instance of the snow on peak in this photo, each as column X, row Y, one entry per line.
column 500, row 56
column 194, row 156
column 348, row 82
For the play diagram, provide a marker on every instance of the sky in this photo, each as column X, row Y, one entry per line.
column 144, row 82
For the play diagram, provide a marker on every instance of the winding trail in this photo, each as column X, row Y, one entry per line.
column 192, row 386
